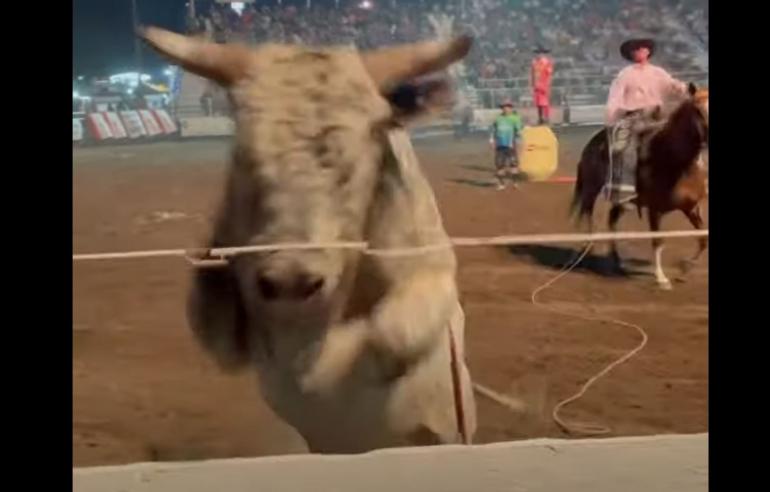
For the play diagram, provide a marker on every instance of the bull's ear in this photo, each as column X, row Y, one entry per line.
column 391, row 66
column 216, row 315
column 692, row 89
column 222, row 63
column 417, row 98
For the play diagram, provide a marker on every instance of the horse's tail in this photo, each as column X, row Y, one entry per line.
column 579, row 210
column 577, row 194
column 589, row 180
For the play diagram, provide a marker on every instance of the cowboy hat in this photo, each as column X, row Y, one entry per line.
column 628, row 47
column 539, row 49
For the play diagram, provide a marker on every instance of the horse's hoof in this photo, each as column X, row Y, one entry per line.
column 664, row 284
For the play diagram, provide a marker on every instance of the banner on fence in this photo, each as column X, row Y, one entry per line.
column 483, row 118
column 150, row 123
column 98, row 126
column 207, row 126
column 77, row 129
column 116, row 126
column 133, row 124
column 166, row 123
column 587, row 115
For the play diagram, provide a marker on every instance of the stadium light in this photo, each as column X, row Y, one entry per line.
column 366, row 5
column 75, row 94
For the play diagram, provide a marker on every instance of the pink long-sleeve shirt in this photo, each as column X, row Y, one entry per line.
column 640, row 87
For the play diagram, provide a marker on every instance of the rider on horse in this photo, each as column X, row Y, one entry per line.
column 636, row 91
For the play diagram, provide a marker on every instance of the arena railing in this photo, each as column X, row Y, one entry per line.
column 570, row 75
column 591, row 89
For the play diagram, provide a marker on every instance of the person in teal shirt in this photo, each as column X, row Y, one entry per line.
column 505, row 136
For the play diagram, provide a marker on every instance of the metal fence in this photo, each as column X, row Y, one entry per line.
column 570, row 89
column 574, row 88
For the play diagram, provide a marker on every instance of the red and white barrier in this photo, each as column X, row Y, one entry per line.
column 123, row 125
column 165, row 121
column 150, row 123
column 133, row 123
column 98, row 126
column 77, row 129
column 116, row 125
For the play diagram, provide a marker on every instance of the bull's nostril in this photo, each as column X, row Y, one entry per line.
column 297, row 287
column 309, row 286
column 267, row 288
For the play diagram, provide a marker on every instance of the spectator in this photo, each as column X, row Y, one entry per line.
column 505, row 30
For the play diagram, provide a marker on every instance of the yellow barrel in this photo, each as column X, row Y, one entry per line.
column 539, row 153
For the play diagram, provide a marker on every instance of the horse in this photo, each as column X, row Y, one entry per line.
column 669, row 176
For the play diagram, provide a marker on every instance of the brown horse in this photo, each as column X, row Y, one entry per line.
column 669, row 175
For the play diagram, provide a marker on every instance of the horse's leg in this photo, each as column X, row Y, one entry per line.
column 657, row 246
column 696, row 220
column 616, row 212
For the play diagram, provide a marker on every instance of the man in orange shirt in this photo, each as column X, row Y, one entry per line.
column 540, row 78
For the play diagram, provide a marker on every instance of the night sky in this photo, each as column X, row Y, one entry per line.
column 103, row 39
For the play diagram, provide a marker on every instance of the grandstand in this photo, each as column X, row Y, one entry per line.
column 583, row 35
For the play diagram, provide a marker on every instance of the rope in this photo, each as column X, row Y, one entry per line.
column 511, row 404
column 582, row 428
column 611, row 132
column 217, row 257
column 457, row 388
column 219, row 254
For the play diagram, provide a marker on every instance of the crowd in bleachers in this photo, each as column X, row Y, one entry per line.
column 584, row 32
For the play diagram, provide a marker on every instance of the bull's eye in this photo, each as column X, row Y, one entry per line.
column 267, row 288
column 310, row 288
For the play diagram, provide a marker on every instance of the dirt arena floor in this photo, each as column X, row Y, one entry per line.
column 143, row 391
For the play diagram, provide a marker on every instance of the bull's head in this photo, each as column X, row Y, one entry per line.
column 310, row 139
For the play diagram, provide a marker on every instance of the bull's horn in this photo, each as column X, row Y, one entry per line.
column 222, row 63
column 389, row 66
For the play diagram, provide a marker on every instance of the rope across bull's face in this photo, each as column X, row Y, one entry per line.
column 311, row 132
